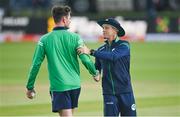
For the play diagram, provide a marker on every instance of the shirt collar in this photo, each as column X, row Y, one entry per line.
column 60, row 28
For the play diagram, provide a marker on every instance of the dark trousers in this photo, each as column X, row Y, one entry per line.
column 121, row 104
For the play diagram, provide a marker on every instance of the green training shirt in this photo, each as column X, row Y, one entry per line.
column 59, row 47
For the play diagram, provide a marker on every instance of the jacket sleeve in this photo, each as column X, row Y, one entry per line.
column 98, row 64
column 38, row 58
column 120, row 51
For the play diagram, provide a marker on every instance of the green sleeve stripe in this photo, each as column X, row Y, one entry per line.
column 80, row 46
column 126, row 44
column 40, row 43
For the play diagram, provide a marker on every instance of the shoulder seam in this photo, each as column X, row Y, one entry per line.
column 125, row 43
column 101, row 46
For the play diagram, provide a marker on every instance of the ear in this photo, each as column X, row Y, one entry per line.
column 63, row 19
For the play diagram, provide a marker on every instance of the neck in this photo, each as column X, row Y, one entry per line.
column 112, row 38
column 60, row 24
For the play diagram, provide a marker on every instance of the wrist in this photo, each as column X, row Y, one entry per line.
column 97, row 73
column 29, row 89
column 92, row 52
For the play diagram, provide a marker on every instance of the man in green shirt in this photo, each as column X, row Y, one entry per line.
column 60, row 48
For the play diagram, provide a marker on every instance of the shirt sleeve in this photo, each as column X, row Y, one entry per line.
column 80, row 43
column 120, row 51
column 38, row 58
column 87, row 62
column 85, row 59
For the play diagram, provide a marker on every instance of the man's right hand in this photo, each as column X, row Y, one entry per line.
column 97, row 78
column 30, row 94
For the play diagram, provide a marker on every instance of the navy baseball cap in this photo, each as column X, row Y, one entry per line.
column 114, row 23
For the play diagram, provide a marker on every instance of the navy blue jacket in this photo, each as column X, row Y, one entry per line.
column 114, row 61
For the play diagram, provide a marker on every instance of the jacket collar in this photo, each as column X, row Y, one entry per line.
column 60, row 28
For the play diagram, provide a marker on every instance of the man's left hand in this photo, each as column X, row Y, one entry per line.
column 83, row 50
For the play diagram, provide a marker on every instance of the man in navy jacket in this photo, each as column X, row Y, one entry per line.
column 113, row 61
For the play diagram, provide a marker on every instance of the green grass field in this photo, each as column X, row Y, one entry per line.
column 155, row 72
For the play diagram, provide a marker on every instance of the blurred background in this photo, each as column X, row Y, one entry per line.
column 152, row 28
column 19, row 18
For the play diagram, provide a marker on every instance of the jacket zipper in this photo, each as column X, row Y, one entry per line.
column 109, row 49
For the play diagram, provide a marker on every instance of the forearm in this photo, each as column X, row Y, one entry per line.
column 38, row 58
column 110, row 55
column 87, row 62
column 32, row 76
column 102, row 55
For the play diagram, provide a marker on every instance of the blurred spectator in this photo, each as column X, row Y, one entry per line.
column 24, row 4
column 41, row 3
column 19, row 4
column 151, row 10
column 161, row 4
column 83, row 6
column 4, row 5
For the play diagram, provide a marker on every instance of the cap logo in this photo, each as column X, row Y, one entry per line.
column 107, row 19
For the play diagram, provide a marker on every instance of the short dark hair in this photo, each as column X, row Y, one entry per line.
column 59, row 11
